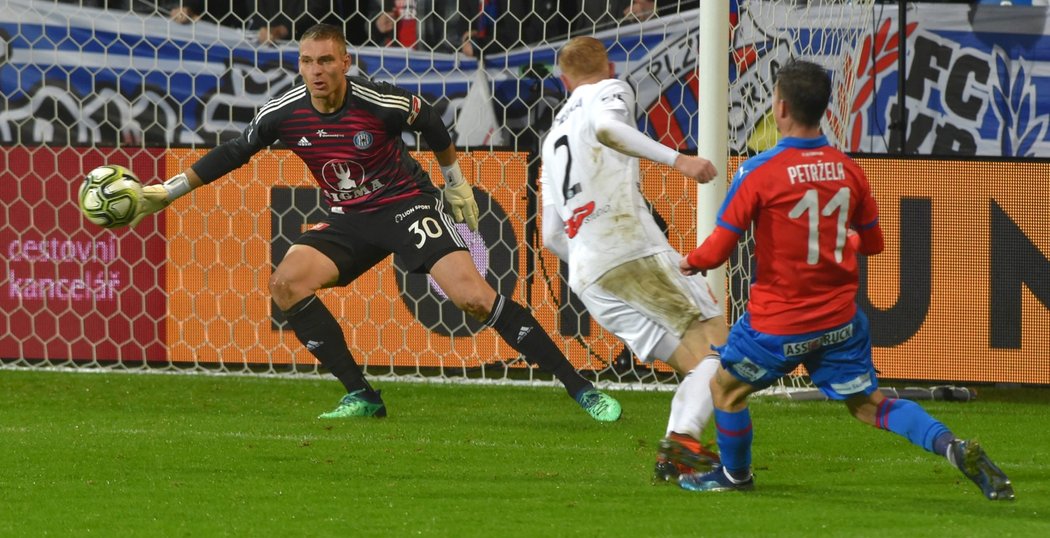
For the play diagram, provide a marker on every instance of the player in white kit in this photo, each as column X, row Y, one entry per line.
column 620, row 263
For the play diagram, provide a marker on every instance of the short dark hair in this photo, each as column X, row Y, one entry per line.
column 322, row 31
column 806, row 87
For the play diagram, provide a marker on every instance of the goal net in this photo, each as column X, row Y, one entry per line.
column 83, row 86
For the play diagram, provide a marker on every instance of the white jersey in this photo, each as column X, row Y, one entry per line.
column 594, row 189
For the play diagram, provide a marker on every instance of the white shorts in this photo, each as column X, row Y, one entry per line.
column 648, row 304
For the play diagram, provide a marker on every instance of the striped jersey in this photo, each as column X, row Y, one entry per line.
column 356, row 154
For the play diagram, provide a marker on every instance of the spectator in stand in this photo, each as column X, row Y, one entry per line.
column 226, row 13
column 483, row 29
column 397, row 24
column 639, row 11
column 105, row 4
column 598, row 15
column 283, row 20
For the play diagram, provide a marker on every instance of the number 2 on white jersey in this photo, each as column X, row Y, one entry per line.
column 567, row 190
column 810, row 204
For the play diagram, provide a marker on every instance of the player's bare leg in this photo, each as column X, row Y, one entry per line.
column 293, row 286
column 468, row 290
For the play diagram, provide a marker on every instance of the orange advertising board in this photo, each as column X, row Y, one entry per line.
column 221, row 239
column 961, row 292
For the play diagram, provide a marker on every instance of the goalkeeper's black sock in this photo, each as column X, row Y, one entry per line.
column 521, row 330
column 318, row 330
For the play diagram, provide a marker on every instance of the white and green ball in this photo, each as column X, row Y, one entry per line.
column 109, row 196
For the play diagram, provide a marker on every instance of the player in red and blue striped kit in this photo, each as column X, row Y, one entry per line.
column 813, row 212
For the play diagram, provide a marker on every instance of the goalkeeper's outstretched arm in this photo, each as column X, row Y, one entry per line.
column 216, row 163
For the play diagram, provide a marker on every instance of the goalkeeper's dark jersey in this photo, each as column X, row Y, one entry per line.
column 356, row 155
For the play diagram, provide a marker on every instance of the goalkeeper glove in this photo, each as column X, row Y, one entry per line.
column 157, row 197
column 154, row 198
column 464, row 207
column 460, row 196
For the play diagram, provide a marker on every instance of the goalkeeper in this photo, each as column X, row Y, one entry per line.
column 348, row 132
column 620, row 263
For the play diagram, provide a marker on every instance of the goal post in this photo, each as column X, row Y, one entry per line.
column 713, row 131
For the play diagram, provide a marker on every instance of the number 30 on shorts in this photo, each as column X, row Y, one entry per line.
column 424, row 228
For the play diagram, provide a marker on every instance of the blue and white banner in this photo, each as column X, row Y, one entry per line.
column 978, row 77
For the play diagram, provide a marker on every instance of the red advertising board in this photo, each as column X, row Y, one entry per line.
column 70, row 290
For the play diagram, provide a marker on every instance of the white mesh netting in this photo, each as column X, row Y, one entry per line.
column 125, row 84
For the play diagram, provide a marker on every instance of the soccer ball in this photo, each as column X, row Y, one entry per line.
column 109, row 196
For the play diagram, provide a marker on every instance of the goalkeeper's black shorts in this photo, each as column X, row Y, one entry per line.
column 416, row 229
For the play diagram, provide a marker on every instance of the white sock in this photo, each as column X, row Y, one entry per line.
column 691, row 406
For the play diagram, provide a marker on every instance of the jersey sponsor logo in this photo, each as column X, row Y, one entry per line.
column 345, row 180
column 748, row 370
column 321, row 133
column 853, row 386
column 579, row 215
column 401, row 216
column 795, row 349
column 582, row 215
column 363, row 140
column 303, row 142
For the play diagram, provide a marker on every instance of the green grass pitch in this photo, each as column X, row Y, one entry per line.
column 168, row 455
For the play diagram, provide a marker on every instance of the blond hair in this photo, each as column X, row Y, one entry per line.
column 582, row 57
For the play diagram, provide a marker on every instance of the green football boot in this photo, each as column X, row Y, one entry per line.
column 600, row 406
column 358, row 404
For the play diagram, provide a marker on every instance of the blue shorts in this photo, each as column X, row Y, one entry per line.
column 838, row 360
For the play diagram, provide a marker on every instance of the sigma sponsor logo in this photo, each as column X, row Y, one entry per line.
column 829, row 338
column 749, row 370
column 401, row 216
column 363, row 140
